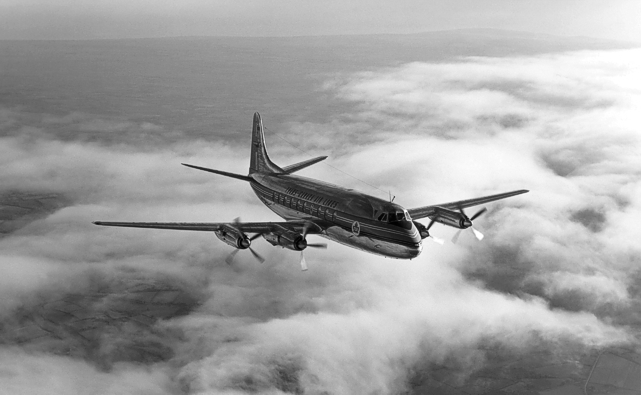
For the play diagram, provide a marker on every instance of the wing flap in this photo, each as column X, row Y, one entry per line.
column 427, row 211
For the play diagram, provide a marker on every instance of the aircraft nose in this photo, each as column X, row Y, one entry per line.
column 413, row 252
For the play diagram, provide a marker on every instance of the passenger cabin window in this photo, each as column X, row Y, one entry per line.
column 329, row 214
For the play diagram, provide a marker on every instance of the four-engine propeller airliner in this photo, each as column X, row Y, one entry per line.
column 310, row 206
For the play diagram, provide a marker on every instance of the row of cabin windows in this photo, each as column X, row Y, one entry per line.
column 303, row 206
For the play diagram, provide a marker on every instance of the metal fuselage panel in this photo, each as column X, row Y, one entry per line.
column 347, row 216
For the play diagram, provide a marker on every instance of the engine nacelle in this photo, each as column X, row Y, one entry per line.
column 451, row 218
column 290, row 240
column 422, row 230
column 233, row 238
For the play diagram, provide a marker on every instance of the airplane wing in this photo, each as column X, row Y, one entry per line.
column 245, row 227
column 427, row 211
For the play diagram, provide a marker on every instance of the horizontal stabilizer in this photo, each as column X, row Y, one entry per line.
column 222, row 173
column 301, row 165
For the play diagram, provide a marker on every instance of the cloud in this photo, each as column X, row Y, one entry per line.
column 573, row 143
column 160, row 311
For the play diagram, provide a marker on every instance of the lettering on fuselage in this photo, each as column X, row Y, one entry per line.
column 311, row 198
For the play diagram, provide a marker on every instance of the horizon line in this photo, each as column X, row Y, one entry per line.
column 478, row 29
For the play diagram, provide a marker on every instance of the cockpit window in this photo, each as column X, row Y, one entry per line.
column 400, row 218
column 407, row 215
column 383, row 217
column 396, row 216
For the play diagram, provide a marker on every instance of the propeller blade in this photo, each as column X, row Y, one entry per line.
column 303, row 264
column 230, row 257
column 254, row 237
column 478, row 214
column 478, row 234
column 305, row 229
column 437, row 240
column 318, row 245
column 256, row 255
column 236, row 222
column 456, row 236
column 430, row 224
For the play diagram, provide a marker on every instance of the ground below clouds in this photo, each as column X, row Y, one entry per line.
column 112, row 319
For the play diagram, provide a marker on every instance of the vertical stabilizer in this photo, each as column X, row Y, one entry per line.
column 260, row 161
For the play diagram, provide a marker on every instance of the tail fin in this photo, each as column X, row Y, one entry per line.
column 260, row 161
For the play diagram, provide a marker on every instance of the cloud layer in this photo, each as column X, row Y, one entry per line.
column 557, row 273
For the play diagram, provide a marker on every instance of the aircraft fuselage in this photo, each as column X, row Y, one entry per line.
column 348, row 217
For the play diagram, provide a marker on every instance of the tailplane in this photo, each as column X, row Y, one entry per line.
column 260, row 161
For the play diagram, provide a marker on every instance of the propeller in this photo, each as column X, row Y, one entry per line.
column 434, row 239
column 303, row 263
column 230, row 257
column 479, row 236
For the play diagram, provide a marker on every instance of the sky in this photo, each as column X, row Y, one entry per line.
column 73, row 19
column 556, row 276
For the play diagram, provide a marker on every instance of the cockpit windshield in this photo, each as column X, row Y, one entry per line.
column 396, row 216
column 400, row 218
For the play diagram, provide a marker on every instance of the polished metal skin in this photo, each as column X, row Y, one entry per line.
column 311, row 206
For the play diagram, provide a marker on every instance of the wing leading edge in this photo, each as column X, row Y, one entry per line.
column 427, row 211
column 245, row 227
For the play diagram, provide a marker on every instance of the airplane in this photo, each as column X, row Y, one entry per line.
column 313, row 207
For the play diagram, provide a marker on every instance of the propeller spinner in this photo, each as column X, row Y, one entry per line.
column 245, row 244
column 468, row 224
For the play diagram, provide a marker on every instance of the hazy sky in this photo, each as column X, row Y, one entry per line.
column 77, row 19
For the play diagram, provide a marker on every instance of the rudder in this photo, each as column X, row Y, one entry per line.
column 260, row 161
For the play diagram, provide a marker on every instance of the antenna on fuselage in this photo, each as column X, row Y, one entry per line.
column 391, row 198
